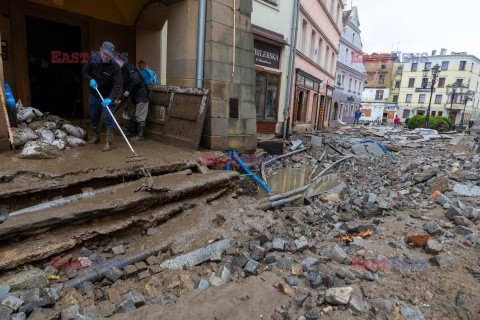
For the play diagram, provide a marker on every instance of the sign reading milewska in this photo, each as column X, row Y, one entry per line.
column 267, row 55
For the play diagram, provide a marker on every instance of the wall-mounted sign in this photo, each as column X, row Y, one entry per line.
column 424, row 90
column 267, row 55
column 4, row 51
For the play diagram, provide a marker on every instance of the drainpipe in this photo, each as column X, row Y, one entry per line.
column 202, row 8
column 291, row 67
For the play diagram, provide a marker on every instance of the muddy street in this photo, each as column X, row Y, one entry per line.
column 385, row 229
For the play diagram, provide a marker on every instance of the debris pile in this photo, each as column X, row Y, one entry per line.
column 42, row 136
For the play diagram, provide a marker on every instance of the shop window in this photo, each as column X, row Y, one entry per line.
column 266, row 95
column 366, row 112
column 420, row 112
column 440, row 113
column 433, row 113
column 302, row 99
column 406, row 113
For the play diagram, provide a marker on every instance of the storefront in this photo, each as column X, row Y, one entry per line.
column 306, row 104
column 268, row 46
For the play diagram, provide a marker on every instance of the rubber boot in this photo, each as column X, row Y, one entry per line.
column 108, row 144
column 141, row 132
column 132, row 128
column 96, row 135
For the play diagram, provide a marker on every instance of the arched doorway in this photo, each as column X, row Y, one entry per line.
column 151, row 28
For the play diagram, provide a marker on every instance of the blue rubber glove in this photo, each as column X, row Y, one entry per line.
column 106, row 102
column 93, row 84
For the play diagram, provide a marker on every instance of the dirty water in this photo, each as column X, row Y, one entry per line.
column 285, row 180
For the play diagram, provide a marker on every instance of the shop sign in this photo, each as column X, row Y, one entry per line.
column 267, row 55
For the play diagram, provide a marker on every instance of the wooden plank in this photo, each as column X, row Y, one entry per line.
column 6, row 139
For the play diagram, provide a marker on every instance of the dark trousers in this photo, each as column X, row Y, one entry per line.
column 96, row 109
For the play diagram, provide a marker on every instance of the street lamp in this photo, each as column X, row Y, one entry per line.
column 435, row 73
column 452, row 89
column 468, row 96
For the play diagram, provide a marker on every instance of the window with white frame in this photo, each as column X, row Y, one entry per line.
column 350, row 85
column 327, row 56
column 303, row 45
column 313, row 41
column 320, row 50
column 421, row 98
column 408, row 98
column 381, row 80
column 379, row 95
column 355, row 88
column 332, row 67
column 339, row 80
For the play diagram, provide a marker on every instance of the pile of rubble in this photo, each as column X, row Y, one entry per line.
column 42, row 136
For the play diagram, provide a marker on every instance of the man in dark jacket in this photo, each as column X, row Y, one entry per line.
column 103, row 73
column 135, row 88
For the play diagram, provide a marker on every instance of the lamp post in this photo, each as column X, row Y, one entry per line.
column 452, row 89
column 435, row 73
column 468, row 96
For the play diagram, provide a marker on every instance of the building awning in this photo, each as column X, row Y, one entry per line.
column 270, row 35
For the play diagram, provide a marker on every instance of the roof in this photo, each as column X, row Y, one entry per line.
column 346, row 16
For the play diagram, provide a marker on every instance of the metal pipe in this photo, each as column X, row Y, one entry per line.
column 333, row 165
column 291, row 67
column 202, row 8
column 340, row 152
column 285, row 201
column 254, row 177
column 262, row 166
column 289, row 194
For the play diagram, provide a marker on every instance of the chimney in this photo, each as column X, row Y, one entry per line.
column 443, row 52
column 434, row 52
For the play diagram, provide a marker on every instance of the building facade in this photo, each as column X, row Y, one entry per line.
column 141, row 30
column 271, row 27
column 375, row 99
column 318, row 37
column 350, row 73
column 456, row 67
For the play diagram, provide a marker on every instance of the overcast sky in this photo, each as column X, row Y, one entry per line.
column 417, row 26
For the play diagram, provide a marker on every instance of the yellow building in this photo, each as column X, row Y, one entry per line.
column 414, row 89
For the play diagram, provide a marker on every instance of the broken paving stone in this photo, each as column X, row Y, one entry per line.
column 433, row 247
column 87, row 287
column 264, row 238
column 285, row 263
column 144, row 274
column 252, row 267
column 337, row 254
column 462, row 230
column 215, row 256
column 51, row 294
column 141, row 266
column 339, row 295
column 384, row 305
column 152, row 260
column 137, row 298
column 301, row 244
column 412, row 313
column 202, row 285
column 118, row 250
column 29, row 279
column 114, row 295
column 308, row 262
column 155, row 269
column 113, row 274
column 443, row 260
column 4, row 290
column 271, row 257
column 223, row 273
column 12, row 302
column 290, row 280
column 241, row 260
column 257, row 253
column 71, row 312
column 462, row 221
column 433, row 228
column 18, row 316
column 357, row 244
column 278, row 244
column 285, row 288
column 28, row 308
column 424, row 176
column 130, row 271
column 466, row 190
column 127, row 306
column 355, row 306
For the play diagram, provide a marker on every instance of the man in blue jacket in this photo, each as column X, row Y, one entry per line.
column 103, row 73
column 358, row 115
column 135, row 88
column 148, row 75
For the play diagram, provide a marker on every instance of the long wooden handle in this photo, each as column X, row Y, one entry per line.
column 4, row 107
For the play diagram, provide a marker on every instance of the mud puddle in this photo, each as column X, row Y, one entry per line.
column 285, row 180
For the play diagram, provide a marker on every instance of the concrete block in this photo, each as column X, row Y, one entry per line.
column 216, row 126
column 127, row 306
column 252, row 267
column 237, row 126
column 217, row 109
column 70, row 312
column 33, row 278
column 136, row 297
column 196, row 257
column 202, row 285
column 4, row 290
column 12, row 302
